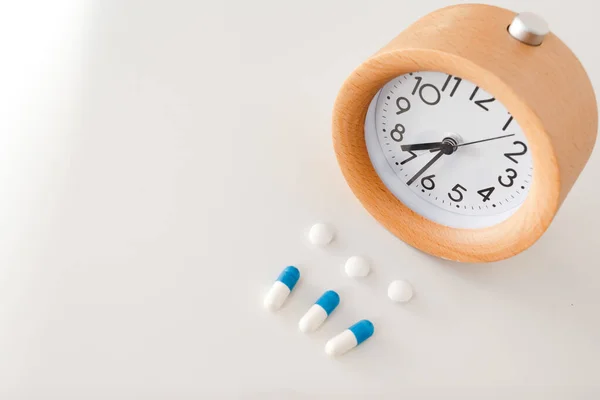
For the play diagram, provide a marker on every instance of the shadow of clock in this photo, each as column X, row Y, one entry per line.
column 546, row 282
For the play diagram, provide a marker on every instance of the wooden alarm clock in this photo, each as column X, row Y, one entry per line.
column 464, row 134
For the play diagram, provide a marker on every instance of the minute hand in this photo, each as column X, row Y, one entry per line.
column 429, row 164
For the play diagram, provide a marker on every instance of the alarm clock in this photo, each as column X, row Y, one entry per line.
column 464, row 134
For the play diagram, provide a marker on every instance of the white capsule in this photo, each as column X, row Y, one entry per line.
column 318, row 313
column 350, row 338
column 276, row 296
column 341, row 344
column 281, row 288
column 313, row 319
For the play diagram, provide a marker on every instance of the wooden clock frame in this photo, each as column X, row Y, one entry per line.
column 544, row 87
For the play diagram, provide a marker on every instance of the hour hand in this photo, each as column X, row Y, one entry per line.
column 422, row 146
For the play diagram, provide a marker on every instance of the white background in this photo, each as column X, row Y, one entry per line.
column 160, row 162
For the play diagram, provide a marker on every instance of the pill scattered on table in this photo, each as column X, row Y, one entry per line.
column 282, row 288
column 318, row 313
column 400, row 291
column 357, row 267
column 320, row 234
column 350, row 338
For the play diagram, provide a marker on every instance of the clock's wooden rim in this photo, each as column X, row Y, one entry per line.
column 471, row 41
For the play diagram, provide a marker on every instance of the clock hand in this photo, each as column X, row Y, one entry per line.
column 482, row 140
column 422, row 146
column 487, row 140
column 429, row 164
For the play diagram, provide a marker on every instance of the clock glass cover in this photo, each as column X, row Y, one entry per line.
column 448, row 150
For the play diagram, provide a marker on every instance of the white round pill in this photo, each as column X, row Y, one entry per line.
column 320, row 234
column 400, row 291
column 357, row 266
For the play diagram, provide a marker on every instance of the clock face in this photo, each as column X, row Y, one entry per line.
column 448, row 150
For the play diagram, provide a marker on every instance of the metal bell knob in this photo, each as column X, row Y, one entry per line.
column 529, row 28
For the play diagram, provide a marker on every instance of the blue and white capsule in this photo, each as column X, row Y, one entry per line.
column 282, row 288
column 318, row 313
column 350, row 338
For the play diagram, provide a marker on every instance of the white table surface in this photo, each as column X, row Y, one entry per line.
column 160, row 163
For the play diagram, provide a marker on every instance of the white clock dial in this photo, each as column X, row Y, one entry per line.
column 448, row 150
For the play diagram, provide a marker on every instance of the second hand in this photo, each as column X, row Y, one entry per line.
column 480, row 141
